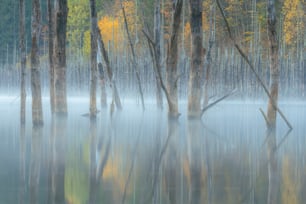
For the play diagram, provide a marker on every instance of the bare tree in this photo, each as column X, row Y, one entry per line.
column 196, row 65
column 135, row 65
column 115, row 94
column 37, row 114
column 22, row 62
column 50, row 5
column 60, row 99
column 172, row 59
column 157, row 40
column 93, row 59
column 271, row 112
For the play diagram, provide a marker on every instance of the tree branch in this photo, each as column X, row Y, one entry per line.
column 217, row 101
column 244, row 56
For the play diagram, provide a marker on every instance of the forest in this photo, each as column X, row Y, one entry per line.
column 153, row 101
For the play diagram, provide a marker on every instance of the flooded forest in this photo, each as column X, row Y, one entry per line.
column 153, row 101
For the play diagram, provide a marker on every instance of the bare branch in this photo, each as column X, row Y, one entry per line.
column 265, row 117
column 217, row 101
column 244, row 56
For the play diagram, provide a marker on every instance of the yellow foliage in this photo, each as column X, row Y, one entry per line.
column 293, row 20
column 86, row 43
column 289, row 183
column 133, row 20
column 187, row 37
column 111, row 31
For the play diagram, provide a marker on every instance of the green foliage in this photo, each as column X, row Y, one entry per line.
column 78, row 23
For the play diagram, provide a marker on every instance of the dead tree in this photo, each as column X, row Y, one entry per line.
column 60, row 96
column 196, row 65
column 271, row 112
column 172, row 75
column 157, row 40
column 22, row 62
column 93, row 59
column 37, row 114
column 115, row 94
column 170, row 92
column 50, row 5
column 135, row 65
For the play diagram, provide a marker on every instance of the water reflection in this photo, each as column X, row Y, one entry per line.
column 137, row 157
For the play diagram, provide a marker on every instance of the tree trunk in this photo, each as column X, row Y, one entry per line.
column 51, row 44
column 109, row 70
column 22, row 62
column 60, row 97
column 196, row 66
column 271, row 112
column 37, row 114
column 102, row 85
column 157, row 37
column 208, row 57
column 93, row 59
column 172, row 59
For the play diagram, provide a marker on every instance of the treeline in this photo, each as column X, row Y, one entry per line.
column 246, row 18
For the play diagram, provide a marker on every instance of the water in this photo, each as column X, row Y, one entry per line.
column 141, row 158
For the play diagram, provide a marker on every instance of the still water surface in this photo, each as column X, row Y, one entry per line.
column 136, row 157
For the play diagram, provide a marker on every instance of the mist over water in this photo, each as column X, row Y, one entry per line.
column 147, row 158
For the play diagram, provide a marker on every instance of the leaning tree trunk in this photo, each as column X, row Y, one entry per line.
column 271, row 112
column 37, row 114
column 50, row 44
column 93, row 59
column 196, row 66
column 22, row 62
column 115, row 94
column 172, row 59
column 60, row 99
column 157, row 40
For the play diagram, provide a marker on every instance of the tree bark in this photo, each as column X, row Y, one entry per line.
column 60, row 96
column 157, row 40
column 37, row 114
column 51, row 52
column 196, row 66
column 172, row 59
column 271, row 112
column 22, row 62
column 93, row 59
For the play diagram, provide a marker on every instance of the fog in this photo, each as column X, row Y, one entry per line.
column 144, row 158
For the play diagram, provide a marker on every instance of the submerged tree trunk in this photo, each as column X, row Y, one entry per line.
column 22, row 62
column 271, row 112
column 51, row 52
column 60, row 97
column 172, row 59
column 196, row 66
column 93, row 59
column 157, row 40
column 37, row 114
column 115, row 94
